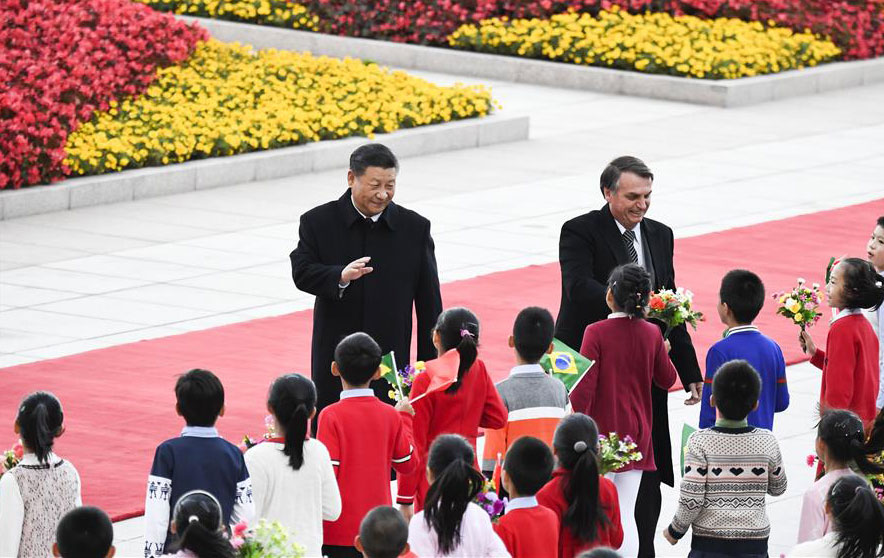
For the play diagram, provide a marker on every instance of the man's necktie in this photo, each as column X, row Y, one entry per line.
column 629, row 243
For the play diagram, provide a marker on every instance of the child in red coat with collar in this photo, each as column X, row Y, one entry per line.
column 850, row 360
column 585, row 502
column 469, row 403
column 528, row 529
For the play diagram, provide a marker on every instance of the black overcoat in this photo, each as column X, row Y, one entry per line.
column 381, row 303
column 590, row 247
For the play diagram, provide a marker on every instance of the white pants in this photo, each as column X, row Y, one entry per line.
column 627, row 491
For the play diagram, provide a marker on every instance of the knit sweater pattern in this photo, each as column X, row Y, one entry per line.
column 728, row 472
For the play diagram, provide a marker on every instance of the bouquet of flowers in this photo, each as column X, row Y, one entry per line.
column 616, row 453
column 401, row 380
column 800, row 304
column 673, row 308
column 488, row 500
column 11, row 457
column 269, row 433
column 267, row 540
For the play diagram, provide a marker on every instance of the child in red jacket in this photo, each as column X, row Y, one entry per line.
column 585, row 502
column 850, row 360
column 528, row 529
column 468, row 404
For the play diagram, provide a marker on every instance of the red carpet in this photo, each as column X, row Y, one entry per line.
column 119, row 402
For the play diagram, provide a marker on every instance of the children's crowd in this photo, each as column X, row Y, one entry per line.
column 332, row 492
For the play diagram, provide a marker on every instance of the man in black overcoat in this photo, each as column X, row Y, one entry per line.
column 370, row 263
column 590, row 247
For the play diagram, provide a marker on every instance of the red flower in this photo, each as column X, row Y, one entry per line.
column 656, row 303
column 18, row 450
column 811, row 459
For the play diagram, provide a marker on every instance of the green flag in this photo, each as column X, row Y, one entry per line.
column 389, row 371
column 686, row 431
column 566, row 364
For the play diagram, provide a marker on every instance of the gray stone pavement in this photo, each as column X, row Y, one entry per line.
column 102, row 276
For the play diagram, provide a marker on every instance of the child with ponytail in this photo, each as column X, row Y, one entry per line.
column 450, row 523
column 469, row 403
column 586, row 503
column 631, row 357
column 841, row 445
column 198, row 528
column 857, row 519
column 36, row 493
column 293, row 481
column 850, row 360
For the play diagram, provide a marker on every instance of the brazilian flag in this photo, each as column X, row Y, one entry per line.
column 566, row 364
column 388, row 371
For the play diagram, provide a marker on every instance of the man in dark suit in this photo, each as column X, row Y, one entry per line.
column 369, row 262
column 590, row 247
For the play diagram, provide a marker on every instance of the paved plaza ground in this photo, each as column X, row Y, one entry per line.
column 102, row 276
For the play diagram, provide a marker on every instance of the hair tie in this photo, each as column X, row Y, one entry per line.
column 580, row 446
column 193, row 519
column 465, row 332
column 878, row 284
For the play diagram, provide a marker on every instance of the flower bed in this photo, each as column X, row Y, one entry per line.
column 278, row 13
column 722, row 48
column 63, row 59
column 856, row 26
column 227, row 99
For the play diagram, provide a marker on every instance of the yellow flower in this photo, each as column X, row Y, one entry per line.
column 228, row 98
column 792, row 305
column 798, row 318
column 722, row 48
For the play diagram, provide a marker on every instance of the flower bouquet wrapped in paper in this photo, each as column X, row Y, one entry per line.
column 800, row 304
column 673, row 308
column 616, row 453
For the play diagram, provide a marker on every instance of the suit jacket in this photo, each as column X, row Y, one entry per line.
column 380, row 303
column 590, row 247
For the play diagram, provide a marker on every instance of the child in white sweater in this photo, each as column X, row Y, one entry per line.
column 293, row 481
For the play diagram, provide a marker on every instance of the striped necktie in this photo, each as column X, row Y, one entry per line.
column 629, row 244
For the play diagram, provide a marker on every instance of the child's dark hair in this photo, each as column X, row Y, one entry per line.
column 84, row 532
column 39, row 419
column 576, row 443
column 383, row 533
column 199, row 526
column 743, row 292
column 842, row 433
column 528, row 464
column 358, row 357
column 458, row 328
column 857, row 517
column 863, row 287
column 736, row 387
column 533, row 333
column 631, row 286
column 292, row 398
column 600, row 552
column 200, row 396
column 455, row 485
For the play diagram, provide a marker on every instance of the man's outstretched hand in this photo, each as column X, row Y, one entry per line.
column 355, row 270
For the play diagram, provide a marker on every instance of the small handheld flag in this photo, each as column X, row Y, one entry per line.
column 442, row 372
column 566, row 364
column 388, row 372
